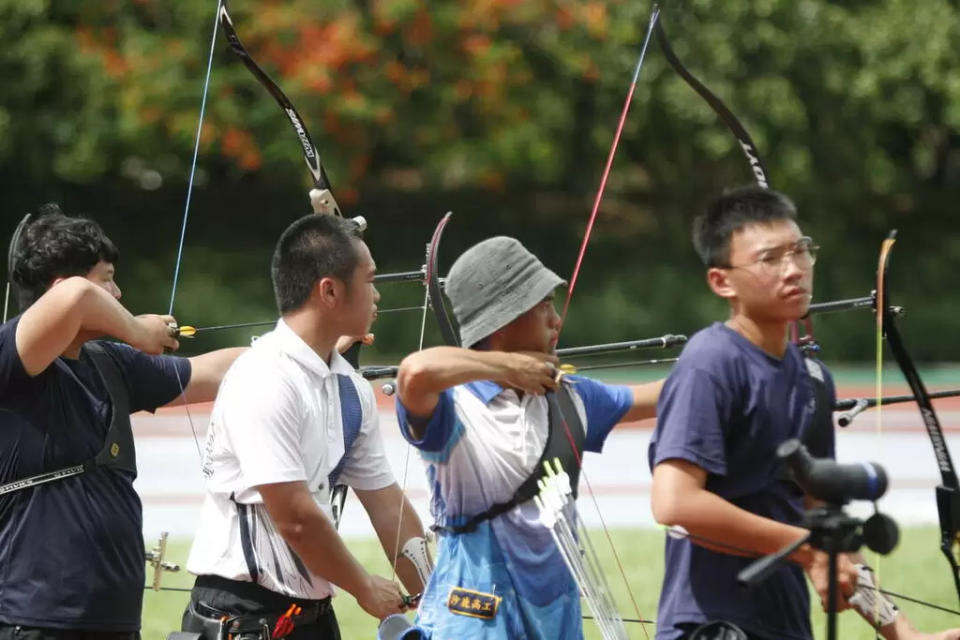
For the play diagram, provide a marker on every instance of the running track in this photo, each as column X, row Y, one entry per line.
column 171, row 486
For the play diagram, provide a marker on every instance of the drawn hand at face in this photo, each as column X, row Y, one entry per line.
column 154, row 333
column 530, row 372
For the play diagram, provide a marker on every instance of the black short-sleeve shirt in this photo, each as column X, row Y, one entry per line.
column 71, row 551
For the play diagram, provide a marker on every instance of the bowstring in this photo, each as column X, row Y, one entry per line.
column 881, row 302
column 406, row 457
column 603, row 523
column 186, row 212
column 606, row 171
column 573, row 280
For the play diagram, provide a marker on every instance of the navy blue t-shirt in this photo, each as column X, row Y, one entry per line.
column 71, row 551
column 726, row 407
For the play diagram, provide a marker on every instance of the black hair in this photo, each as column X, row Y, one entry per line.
column 54, row 245
column 730, row 213
column 312, row 248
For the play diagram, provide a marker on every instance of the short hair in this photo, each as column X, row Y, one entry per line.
column 54, row 245
column 312, row 248
column 730, row 213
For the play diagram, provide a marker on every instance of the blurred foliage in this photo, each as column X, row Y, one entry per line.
column 502, row 111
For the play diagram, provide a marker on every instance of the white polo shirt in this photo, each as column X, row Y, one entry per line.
column 277, row 418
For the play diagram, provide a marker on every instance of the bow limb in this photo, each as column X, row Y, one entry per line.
column 723, row 112
column 948, row 492
column 433, row 297
column 321, row 196
column 322, row 200
column 12, row 262
column 434, row 290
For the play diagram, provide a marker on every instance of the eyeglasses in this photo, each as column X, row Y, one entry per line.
column 773, row 261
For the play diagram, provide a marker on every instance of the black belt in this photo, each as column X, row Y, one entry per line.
column 309, row 614
column 274, row 604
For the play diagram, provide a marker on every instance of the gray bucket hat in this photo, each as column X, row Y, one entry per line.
column 493, row 283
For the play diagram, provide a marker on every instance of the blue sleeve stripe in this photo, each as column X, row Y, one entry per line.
column 440, row 428
column 604, row 406
column 442, row 456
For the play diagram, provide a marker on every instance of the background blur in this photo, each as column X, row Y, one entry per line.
column 502, row 112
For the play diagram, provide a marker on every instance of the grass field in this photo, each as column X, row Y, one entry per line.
column 916, row 568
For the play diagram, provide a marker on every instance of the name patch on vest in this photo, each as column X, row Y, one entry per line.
column 466, row 602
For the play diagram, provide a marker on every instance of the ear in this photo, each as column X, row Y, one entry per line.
column 720, row 283
column 328, row 292
column 55, row 282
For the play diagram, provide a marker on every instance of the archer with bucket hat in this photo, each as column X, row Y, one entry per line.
column 484, row 418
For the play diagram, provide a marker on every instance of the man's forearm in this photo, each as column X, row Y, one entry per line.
column 439, row 368
column 68, row 309
column 644, row 401
column 206, row 373
column 318, row 544
column 395, row 522
column 717, row 524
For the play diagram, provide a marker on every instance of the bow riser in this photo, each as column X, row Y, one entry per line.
column 948, row 506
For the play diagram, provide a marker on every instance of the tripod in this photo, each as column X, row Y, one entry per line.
column 834, row 532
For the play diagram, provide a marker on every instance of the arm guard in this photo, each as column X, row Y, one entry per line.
column 869, row 602
column 415, row 550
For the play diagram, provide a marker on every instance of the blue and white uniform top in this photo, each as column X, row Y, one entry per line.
column 281, row 415
column 480, row 444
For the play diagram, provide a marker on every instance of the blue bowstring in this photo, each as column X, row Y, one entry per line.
column 193, row 165
column 186, row 209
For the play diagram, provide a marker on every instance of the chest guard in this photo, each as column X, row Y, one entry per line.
column 565, row 439
column 819, row 434
column 118, row 450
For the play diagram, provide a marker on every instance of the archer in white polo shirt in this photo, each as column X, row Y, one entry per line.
column 279, row 418
column 293, row 419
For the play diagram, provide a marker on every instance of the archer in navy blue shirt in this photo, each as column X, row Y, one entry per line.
column 71, row 551
column 726, row 407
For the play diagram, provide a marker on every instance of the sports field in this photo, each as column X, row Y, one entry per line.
column 916, row 568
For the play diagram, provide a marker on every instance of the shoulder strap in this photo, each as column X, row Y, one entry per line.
column 352, row 413
column 819, row 431
column 118, row 450
column 565, row 439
